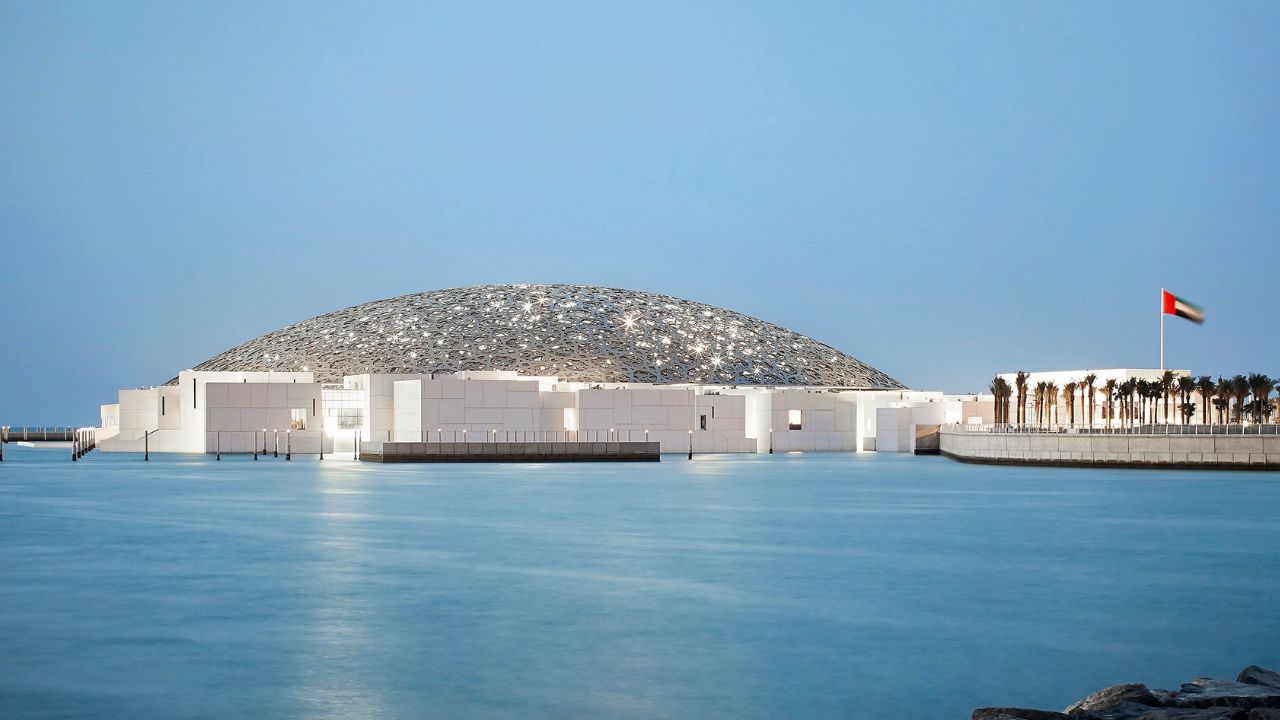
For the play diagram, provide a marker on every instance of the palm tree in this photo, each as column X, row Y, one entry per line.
column 1144, row 391
column 1204, row 386
column 1069, row 397
column 1089, row 379
column 1040, row 393
column 1130, row 387
column 1224, row 391
column 1186, row 386
column 1020, row 380
column 1223, row 406
column 1240, row 390
column 1260, row 389
column 1051, row 403
column 1109, row 391
column 1000, row 391
column 1166, row 387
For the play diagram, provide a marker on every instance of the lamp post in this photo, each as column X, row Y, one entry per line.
column 690, row 444
column 770, row 441
column 288, row 444
column 275, row 437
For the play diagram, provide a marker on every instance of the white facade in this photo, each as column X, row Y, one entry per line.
column 238, row 412
column 206, row 408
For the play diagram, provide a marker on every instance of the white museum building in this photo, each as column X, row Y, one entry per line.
column 530, row 362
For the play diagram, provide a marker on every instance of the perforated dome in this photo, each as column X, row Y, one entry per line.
column 575, row 332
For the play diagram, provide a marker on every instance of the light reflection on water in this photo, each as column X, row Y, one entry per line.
column 784, row 586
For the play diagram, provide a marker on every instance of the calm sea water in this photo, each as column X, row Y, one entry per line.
column 816, row 586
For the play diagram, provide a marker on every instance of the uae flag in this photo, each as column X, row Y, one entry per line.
column 1171, row 304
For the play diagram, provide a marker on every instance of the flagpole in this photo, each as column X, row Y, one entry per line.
column 1162, row 331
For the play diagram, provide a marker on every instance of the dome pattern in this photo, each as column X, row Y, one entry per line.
column 575, row 332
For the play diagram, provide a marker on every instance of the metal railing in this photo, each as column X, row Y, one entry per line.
column 63, row 433
column 454, row 436
column 1141, row 429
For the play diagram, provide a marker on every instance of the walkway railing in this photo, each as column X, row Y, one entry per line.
column 37, row 434
column 1147, row 429
column 523, row 436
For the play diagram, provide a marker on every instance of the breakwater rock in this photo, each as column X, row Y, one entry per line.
column 1253, row 695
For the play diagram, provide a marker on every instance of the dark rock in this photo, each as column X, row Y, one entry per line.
column 998, row 713
column 1207, row 692
column 1255, row 675
column 1119, row 711
column 1264, row 714
column 1108, row 698
column 1216, row 713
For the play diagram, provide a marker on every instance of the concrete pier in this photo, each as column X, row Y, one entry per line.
column 1206, row 452
column 521, row 452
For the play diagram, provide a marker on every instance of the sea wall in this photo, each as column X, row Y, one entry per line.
column 1260, row 452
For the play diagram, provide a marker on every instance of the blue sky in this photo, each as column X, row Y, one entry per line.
column 944, row 190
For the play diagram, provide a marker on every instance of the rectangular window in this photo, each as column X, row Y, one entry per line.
column 793, row 420
column 702, row 422
column 161, row 404
column 298, row 419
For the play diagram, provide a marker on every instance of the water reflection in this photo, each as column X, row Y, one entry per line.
column 340, row 648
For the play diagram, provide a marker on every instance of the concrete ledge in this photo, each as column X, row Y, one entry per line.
column 521, row 452
column 1147, row 464
column 564, row 457
column 1202, row 452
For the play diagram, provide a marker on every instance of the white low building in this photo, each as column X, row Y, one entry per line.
column 240, row 412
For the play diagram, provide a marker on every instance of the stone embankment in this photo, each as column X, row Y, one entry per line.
column 1255, row 695
column 1233, row 452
